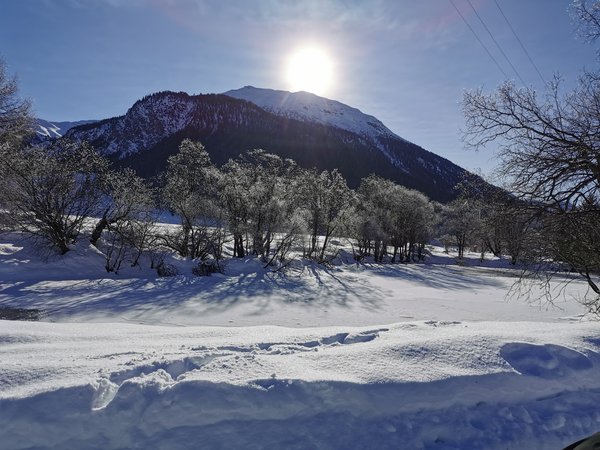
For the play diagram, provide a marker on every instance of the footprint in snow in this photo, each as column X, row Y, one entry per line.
column 545, row 361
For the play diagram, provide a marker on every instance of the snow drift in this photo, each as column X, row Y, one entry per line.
column 135, row 361
column 415, row 385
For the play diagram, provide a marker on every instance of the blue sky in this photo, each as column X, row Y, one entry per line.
column 406, row 62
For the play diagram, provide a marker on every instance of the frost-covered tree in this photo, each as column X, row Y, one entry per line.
column 326, row 201
column 587, row 19
column 255, row 193
column 414, row 223
column 127, row 219
column 270, row 199
column 15, row 113
column 49, row 191
column 128, row 239
column 375, row 214
column 392, row 215
column 190, row 191
column 126, row 197
column 233, row 196
column 15, row 120
column 461, row 220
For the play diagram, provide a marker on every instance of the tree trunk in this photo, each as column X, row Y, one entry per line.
column 327, row 234
column 238, row 246
column 98, row 229
column 395, row 254
column 313, row 243
column 184, row 249
column 63, row 247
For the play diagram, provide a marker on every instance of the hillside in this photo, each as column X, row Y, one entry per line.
column 153, row 127
column 53, row 130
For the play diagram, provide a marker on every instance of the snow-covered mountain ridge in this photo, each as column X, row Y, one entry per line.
column 313, row 108
column 312, row 130
column 55, row 130
column 157, row 117
column 308, row 107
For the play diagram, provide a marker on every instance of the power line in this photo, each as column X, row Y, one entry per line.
column 520, row 43
column 496, row 42
column 480, row 41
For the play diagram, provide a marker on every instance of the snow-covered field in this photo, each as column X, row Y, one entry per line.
column 426, row 356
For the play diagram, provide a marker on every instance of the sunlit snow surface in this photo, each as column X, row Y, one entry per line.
column 427, row 356
column 313, row 108
column 56, row 129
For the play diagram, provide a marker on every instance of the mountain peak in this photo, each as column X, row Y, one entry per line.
column 309, row 107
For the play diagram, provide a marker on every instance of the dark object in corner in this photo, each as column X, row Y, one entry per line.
column 589, row 443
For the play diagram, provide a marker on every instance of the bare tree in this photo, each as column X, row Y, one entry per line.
column 50, row 191
column 587, row 19
column 126, row 197
column 15, row 113
column 549, row 149
column 505, row 224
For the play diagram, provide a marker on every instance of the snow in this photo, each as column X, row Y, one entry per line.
column 55, row 130
column 309, row 107
column 423, row 356
column 149, row 120
column 313, row 108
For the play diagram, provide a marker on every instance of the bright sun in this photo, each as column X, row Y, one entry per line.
column 310, row 69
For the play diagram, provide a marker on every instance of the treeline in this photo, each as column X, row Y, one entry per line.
column 256, row 204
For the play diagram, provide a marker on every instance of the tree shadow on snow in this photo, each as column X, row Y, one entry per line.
column 440, row 277
column 312, row 287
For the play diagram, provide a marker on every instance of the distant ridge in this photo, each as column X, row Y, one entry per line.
column 54, row 130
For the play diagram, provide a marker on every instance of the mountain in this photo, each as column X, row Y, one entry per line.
column 308, row 107
column 312, row 108
column 54, row 130
column 312, row 130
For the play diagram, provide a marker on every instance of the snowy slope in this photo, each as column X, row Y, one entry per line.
column 145, row 124
column 417, row 385
column 309, row 107
column 54, row 130
column 161, row 115
column 422, row 356
column 157, row 117
column 76, row 288
column 313, row 108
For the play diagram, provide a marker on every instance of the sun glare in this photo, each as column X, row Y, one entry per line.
column 310, row 69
